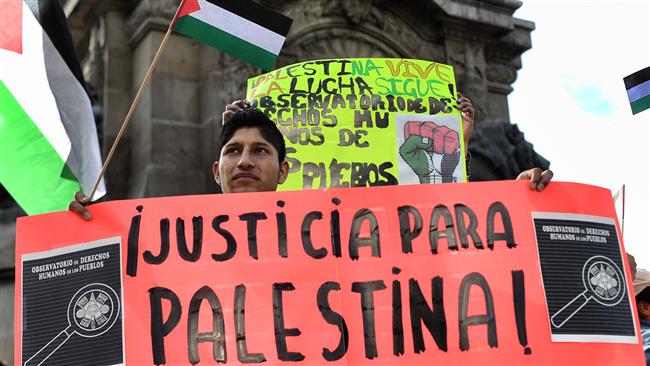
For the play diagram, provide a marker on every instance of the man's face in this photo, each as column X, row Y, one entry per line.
column 249, row 163
column 644, row 309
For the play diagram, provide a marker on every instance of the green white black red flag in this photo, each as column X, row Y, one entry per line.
column 638, row 90
column 240, row 28
column 48, row 138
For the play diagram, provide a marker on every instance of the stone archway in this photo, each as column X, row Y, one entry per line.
column 334, row 41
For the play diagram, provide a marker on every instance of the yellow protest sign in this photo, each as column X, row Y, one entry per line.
column 365, row 121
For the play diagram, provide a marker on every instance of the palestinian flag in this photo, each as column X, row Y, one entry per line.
column 240, row 28
column 48, row 139
column 638, row 90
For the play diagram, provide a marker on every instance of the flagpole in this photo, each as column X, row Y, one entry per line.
column 623, row 213
column 136, row 100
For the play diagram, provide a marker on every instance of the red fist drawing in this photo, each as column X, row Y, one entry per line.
column 445, row 141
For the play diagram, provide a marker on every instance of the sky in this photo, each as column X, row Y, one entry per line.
column 570, row 101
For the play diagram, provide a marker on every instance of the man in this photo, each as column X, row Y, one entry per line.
column 252, row 154
column 642, row 296
column 252, row 157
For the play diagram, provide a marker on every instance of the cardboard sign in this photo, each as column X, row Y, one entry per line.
column 365, row 122
column 414, row 275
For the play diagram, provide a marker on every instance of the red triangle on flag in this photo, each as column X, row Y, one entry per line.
column 188, row 7
column 11, row 25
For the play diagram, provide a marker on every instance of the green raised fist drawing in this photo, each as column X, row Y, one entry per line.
column 414, row 152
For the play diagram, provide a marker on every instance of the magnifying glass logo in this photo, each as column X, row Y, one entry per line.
column 92, row 311
column 604, row 283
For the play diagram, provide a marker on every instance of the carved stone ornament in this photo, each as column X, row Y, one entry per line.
column 501, row 73
column 345, row 28
column 94, row 65
column 469, row 64
column 148, row 9
column 355, row 11
column 332, row 42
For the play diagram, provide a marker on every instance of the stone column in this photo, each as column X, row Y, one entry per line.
column 483, row 42
column 166, row 130
column 115, row 72
column 222, row 80
column 503, row 58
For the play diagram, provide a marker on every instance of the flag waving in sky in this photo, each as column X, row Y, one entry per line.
column 48, row 139
column 638, row 90
column 240, row 28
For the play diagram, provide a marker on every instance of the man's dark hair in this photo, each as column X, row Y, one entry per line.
column 643, row 295
column 253, row 118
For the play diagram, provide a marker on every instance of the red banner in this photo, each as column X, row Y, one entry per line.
column 478, row 273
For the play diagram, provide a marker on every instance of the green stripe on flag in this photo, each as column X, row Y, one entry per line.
column 30, row 169
column 640, row 104
column 225, row 42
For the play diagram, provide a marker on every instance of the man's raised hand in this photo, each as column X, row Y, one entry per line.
column 233, row 107
column 466, row 109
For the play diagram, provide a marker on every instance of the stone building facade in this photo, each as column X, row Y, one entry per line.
column 171, row 142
